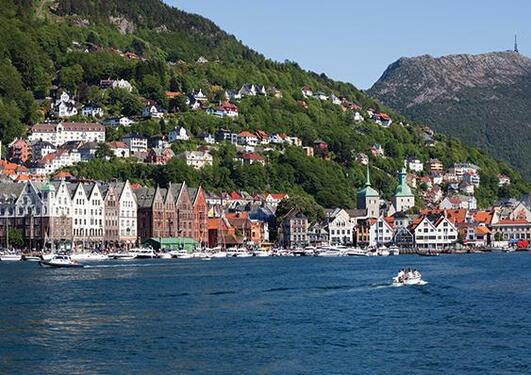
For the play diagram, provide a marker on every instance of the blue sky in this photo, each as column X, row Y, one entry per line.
column 355, row 41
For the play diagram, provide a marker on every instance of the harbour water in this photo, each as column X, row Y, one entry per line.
column 269, row 316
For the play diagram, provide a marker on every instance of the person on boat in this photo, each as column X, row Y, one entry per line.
column 400, row 276
column 416, row 274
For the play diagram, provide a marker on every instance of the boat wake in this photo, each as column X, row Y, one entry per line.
column 126, row 265
column 394, row 285
column 420, row 283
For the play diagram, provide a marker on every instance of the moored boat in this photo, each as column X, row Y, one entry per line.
column 122, row 256
column 31, row 258
column 427, row 253
column 143, row 253
column 10, row 257
column 219, row 254
column 356, row 251
column 89, row 257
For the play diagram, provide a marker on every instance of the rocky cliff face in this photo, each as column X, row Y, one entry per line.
column 483, row 99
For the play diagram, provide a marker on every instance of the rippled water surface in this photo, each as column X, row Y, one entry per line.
column 268, row 316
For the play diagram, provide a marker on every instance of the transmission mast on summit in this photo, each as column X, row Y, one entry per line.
column 515, row 43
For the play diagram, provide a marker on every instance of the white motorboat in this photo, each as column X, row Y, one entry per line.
column 181, row 254
column 31, row 258
column 220, row 254
column 331, row 251
column 408, row 278
column 122, row 256
column 200, row 255
column 89, row 257
column 356, row 251
column 262, row 253
column 10, row 257
column 383, row 252
column 239, row 252
column 61, row 261
column 143, row 253
column 164, row 256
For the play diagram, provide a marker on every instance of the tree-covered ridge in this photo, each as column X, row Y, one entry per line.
column 480, row 99
column 69, row 53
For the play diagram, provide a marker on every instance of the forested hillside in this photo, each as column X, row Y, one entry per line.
column 72, row 45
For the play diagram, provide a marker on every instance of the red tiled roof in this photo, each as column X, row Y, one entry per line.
column 117, row 144
column 482, row 230
column 252, row 156
column 246, row 134
column 226, row 106
column 512, row 222
column 235, row 195
column 483, row 217
column 172, row 94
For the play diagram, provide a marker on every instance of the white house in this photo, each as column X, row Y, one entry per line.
column 118, row 121
column 178, row 134
column 199, row 96
column 196, row 159
column 307, row 92
column 435, row 233
column 446, row 232
column 88, row 220
column 381, row 232
column 153, row 111
column 425, row 233
column 247, row 138
column 225, row 109
column 122, row 84
column 503, row 180
column 64, row 106
column 92, row 110
column 135, row 142
column 119, row 149
column 471, row 178
column 459, row 169
column 335, row 100
column 321, row 95
column 252, row 90
column 58, row 134
column 40, row 149
column 414, row 164
column 340, row 228
column 358, row 117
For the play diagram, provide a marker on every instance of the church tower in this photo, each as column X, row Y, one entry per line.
column 368, row 198
column 403, row 199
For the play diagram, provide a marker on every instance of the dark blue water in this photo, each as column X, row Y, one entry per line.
column 269, row 316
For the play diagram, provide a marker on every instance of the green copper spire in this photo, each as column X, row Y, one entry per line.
column 367, row 190
column 403, row 189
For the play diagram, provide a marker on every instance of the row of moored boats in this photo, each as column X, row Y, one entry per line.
column 64, row 259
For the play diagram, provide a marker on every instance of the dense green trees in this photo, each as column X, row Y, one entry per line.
column 36, row 53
